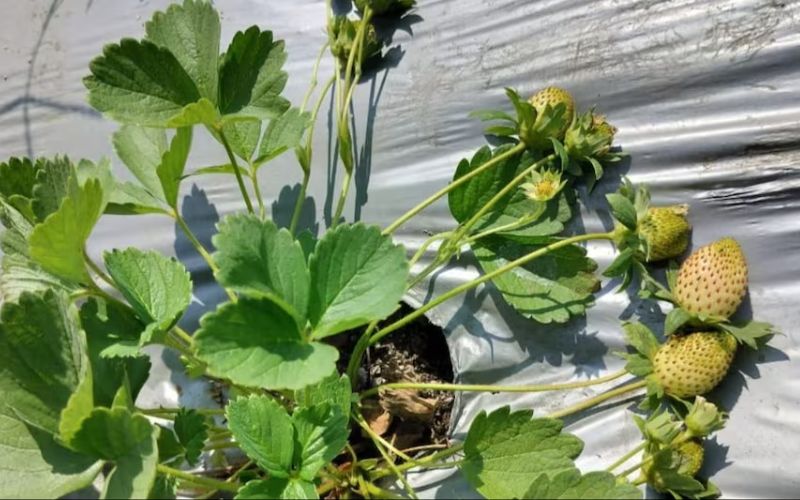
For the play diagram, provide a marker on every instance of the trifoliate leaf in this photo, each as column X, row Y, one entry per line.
column 621, row 264
column 265, row 433
column 638, row 365
column 641, row 338
column 283, row 133
column 128, row 440
column 551, row 288
column 250, row 76
column 358, row 275
column 158, row 288
column 750, row 332
column 107, row 325
column 334, row 390
column 43, row 358
column 676, row 319
column 622, row 209
column 468, row 198
column 256, row 257
column 141, row 149
column 170, row 170
column 191, row 32
column 257, row 343
column 52, row 185
column 34, row 465
column 57, row 243
column 506, row 452
column 320, row 434
column 572, row 485
column 192, row 431
column 278, row 487
column 17, row 179
column 243, row 138
column 139, row 82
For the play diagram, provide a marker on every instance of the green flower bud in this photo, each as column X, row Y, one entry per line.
column 342, row 36
column 590, row 136
column 704, row 418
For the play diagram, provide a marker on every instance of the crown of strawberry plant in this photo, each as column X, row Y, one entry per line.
column 72, row 330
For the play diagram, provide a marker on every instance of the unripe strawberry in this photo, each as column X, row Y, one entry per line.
column 691, row 365
column 713, row 280
column 553, row 96
column 687, row 459
column 666, row 232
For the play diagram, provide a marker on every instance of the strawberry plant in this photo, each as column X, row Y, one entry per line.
column 72, row 330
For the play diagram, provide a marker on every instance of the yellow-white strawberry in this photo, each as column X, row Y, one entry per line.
column 666, row 232
column 691, row 365
column 713, row 280
column 552, row 97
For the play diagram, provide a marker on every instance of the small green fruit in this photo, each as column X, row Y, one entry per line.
column 589, row 137
column 713, row 280
column 666, row 232
column 692, row 365
column 552, row 97
column 687, row 460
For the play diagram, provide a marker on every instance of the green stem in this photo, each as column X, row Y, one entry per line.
column 624, row 458
column 424, row 273
column 236, row 170
column 680, row 439
column 424, row 247
column 598, row 399
column 378, row 492
column 639, row 481
column 96, row 269
column 181, row 333
column 199, row 247
column 516, row 181
column 486, row 277
column 205, row 482
column 342, row 197
column 220, row 445
column 314, row 114
column 377, row 441
column 491, row 388
column 519, row 148
column 523, row 221
column 314, row 75
column 434, row 458
column 298, row 204
column 389, row 446
column 156, row 412
column 257, row 191
column 358, row 353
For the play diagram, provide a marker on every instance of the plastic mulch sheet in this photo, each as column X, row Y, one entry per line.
column 705, row 96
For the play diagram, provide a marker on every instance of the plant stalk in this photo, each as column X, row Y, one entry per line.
column 483, row 279
column 257, row 191
column 342, row 198
column 200, row 248
column 491, row 388
column 96, row 269
column 237, row 173
column 624, row 458
column 598, row 399
column 205, row 482
column 391, row 228
column 433, row 458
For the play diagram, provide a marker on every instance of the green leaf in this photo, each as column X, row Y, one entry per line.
column 277, row 487
column 320, row 434
column 19, row 273
column 358, row 275
column 106, row 325
column 491, row 114
column 256, row 257
column 200, row 112
column 572, row 485
column 621, row 264
column 283, row 133
column 139, row 82
column 562, row 153
column 128, row 198
column 551, row 288
column 243, row 138
column 256, row 343
column 556, row 213
column 57, row 243
column 34, row 465
column 750, row 332
column 641, row 338
column 500, row 131
column 192, row 431
column 17, row 179
column 158, row 288
column 675, row 319
column 264, row 431
column 465, row 200
column 334, row 390
column 170, row 170
column 622, row 209
column 638, row 365
column 141, row 149
column 165, row 487
column 42, row 357
column 506, row 452
column 52, row 185
column 191, row 33
column 130, row 441
column 251, row 79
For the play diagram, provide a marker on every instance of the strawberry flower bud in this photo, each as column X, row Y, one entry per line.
column 703, row 418
column 589, row 137
column 342, row 36
column 665, row 232
column 544, row 186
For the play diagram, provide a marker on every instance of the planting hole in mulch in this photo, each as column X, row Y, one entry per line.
column 406, row 418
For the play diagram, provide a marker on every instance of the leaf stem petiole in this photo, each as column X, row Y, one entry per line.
column 598, row 399
column 624, row 458
column 236, row 171
column 205, row 482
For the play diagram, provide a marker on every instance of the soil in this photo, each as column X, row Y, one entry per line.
column 417, row 352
